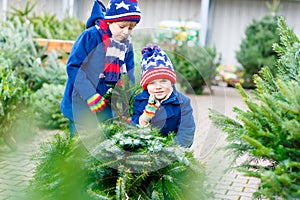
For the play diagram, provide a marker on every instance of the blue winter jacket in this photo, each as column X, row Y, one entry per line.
column 174, row 115
column 85, row 63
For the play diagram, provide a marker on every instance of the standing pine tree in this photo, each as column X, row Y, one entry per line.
column 256, row 48
column 269, row 130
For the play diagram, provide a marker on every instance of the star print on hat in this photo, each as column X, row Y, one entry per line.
column 156, row 64
column 124, row 10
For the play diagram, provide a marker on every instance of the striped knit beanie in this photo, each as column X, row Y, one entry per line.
column 123, row 10
column 155, row 64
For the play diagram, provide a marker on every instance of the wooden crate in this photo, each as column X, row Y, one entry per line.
column 56, row 45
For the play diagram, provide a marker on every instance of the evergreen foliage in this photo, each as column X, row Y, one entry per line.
column 21, row 57
column 49, row 71
column 268, row 132
column 256, row 48
column 14, row 100
column 288, row 51
column 47, row 25
column 122, row 96
column 196, row 66
column 46, row 109
column 17, row 45
column 62, row 172
column 27, row 59
column 120, row 162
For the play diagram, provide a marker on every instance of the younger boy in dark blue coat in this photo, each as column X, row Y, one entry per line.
column 160, row 104
column 98, row 58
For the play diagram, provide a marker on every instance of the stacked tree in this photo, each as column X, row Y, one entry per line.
column 269, row 130
column 117, row 162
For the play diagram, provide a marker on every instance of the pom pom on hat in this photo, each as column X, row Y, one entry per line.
column 156, row 64
column 123, row 10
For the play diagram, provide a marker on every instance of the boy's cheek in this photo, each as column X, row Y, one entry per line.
column 151, row 93
column 150, row 89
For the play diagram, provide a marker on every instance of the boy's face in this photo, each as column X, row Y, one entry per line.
column 121, row 30
column 160, row 88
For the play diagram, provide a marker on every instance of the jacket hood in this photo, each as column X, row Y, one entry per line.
column 98, row 12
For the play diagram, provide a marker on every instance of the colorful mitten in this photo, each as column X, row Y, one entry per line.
column 149, row 110
column 96, row 103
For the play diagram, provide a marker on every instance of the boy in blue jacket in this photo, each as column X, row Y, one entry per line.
column 99, row 56
column 160, row 104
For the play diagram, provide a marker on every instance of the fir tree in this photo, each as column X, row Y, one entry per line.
column 256, row 48
column 269, row 130
column 120, row 162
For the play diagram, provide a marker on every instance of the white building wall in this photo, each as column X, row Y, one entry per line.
column 153, row 11
column 227, row 21
column 42, row 6
column 231, row 18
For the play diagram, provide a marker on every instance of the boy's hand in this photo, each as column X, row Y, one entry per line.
column 149, row 110
column 96, row 103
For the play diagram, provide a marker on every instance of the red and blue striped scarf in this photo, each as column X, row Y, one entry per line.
column 115, row 54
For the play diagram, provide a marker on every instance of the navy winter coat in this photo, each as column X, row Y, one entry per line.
column 85, row 63
column 174, row 115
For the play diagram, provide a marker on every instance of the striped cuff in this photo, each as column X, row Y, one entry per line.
column 94, row 99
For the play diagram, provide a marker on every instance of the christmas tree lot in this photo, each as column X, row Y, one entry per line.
column 119, row 162
column 268, row 132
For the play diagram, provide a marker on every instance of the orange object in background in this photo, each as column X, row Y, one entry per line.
column 56, row 45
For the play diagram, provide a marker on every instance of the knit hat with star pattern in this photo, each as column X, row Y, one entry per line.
column 156, row 64
column 123, row 10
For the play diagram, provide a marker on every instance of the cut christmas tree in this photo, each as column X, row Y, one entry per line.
column 120, row 162
column 268, row 132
